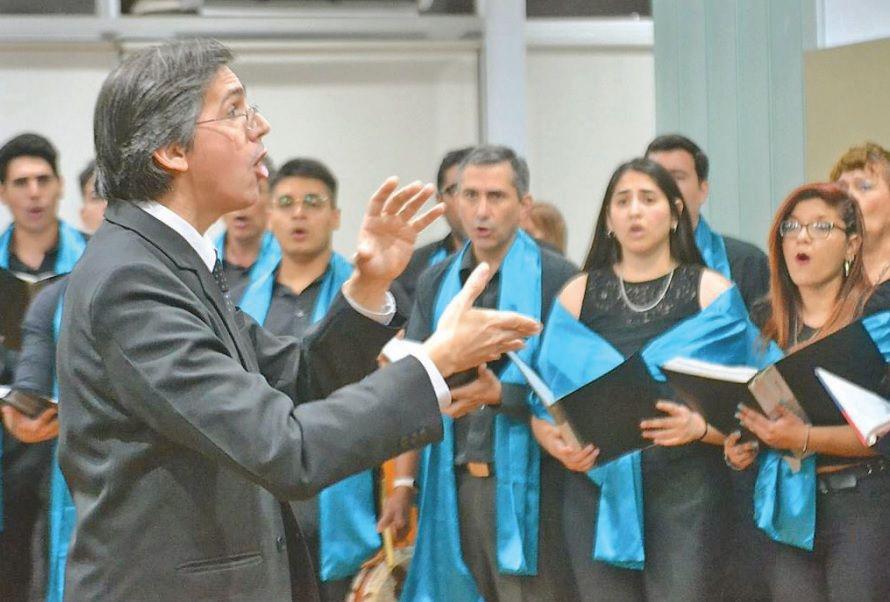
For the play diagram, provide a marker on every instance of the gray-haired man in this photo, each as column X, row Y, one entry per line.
column 180, row 436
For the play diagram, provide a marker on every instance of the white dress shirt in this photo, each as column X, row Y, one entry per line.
column 206, row 250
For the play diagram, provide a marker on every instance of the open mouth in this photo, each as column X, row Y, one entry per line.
column 483, row 231
column 802, row 257
column 299, row 233
column 259, row 167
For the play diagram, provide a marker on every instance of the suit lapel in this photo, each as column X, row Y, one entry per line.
column 196, row 277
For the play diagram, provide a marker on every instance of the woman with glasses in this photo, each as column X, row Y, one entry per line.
column 649, row 525
column 818, row 285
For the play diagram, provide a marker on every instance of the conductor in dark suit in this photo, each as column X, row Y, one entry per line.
column 181, row 437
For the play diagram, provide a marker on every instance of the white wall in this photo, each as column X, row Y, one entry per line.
column 852, row 21
column 371, row 110
column 589, row 110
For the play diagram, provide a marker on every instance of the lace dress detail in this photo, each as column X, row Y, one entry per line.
column 605, row 312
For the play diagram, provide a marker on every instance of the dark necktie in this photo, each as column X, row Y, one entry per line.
column 220, row 276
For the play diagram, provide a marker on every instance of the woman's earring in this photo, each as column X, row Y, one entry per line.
column 674, row 228
column 610, row 233
column 847, row 264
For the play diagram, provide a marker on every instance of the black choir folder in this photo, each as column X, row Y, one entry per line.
column 16, row 292
column 606, row 411
column 715, row 390
column 29, row 404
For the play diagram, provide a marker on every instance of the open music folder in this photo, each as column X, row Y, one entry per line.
column 29, row 404
column 606, row 411
column 715, row 390
column 16, row 292
column 866, row 411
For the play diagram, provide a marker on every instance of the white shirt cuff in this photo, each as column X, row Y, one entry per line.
column 397, row 349
column 382, row 317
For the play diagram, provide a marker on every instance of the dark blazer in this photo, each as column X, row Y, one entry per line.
column 180, row 437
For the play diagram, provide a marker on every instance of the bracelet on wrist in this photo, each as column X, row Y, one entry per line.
column 705, row 434
column 404, row 482
column 806, row 442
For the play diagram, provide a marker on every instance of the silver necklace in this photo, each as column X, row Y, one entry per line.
column 644, row 308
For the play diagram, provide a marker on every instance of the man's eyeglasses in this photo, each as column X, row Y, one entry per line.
column 816, row 230
column 310, row 202
column 249, row 115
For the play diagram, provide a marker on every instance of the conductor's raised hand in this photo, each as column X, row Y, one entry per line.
column 386, row 238
column 467, row 336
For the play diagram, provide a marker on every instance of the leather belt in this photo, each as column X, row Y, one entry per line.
column 481, row 470
column 849, row 478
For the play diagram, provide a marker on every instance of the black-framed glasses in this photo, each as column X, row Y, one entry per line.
column 249, row 115
column 817, row 230
column 310, row 201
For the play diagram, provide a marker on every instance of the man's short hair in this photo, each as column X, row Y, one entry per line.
column 868, row 155
column 27, row 145
column 672, row 142
column 152, row 99
column 87, row 173
column 450, row 159
column 305, row 167
column 490, row 154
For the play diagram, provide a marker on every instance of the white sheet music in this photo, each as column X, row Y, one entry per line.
column 866, row 411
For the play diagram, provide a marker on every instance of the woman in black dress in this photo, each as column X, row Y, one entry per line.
column 643, row 276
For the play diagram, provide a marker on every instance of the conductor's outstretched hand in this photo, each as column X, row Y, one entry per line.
column 467, row 336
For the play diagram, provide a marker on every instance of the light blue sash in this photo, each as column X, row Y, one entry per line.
column 572, row 355
column 62, row 513
column 267, row 259
column 70, row 247
column 440, row 255
column 785, row 501
column 712, row 248
column 347, row 518
column 438, row 571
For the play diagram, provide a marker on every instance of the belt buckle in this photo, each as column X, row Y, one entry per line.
column 479, row 470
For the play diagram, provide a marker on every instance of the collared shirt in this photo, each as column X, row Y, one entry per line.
column 290, row 313
column 206, row 250
column 45, row 269
column 237, row 276
column 202, row 244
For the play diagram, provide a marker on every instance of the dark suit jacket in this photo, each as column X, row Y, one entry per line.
column 180, row 437
column 749, row 268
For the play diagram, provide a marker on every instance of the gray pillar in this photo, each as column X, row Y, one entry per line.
column 503, row 73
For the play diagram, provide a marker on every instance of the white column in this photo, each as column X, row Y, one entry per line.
column 503, row 74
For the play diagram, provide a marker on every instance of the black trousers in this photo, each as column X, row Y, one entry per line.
column 748, row 553
column 685, row 518
column 476, row 501
column 25, row 495
column 851, row 550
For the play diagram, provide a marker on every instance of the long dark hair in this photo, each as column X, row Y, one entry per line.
column 784, row 324
column 605, row 250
